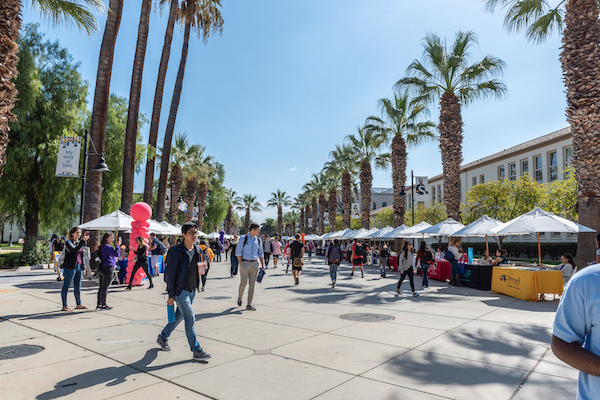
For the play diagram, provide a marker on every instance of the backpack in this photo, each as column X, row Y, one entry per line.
column 96, row 259
column 161, row 248
column 449, row 256
column 428, row 257
column 335, row 255
column 359, row 251
column 311, row 246
column 61, row 259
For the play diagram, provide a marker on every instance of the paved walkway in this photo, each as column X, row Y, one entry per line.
column 449, row 343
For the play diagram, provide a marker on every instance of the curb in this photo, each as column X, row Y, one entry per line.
column 33, row 267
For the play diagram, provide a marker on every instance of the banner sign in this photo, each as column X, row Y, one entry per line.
column 195, row 214
column 325, row 218
column 168, row 199
column 67, row 164
column 421, row 188
column 355, row 211
column 310, row 222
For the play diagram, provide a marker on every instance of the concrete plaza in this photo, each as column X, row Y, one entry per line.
column 449, row 343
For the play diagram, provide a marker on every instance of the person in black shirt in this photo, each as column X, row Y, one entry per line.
column 141, row 261
column 296, row 255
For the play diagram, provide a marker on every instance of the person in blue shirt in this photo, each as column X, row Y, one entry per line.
column 576, row 331
column 248, row 251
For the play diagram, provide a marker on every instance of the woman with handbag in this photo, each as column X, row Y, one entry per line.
column 297, row 255
column 141, row 261
column 73, row 267
column 405, row 265
column 106, row 267
column 424, row 259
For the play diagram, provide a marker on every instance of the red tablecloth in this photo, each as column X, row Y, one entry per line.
column 346, row 255
column 394, row 262
column 441, row 272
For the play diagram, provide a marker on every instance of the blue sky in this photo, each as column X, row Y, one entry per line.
column 288, row 80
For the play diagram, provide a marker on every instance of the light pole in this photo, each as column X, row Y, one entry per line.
column 100, row 167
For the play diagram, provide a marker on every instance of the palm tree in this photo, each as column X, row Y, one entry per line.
column 332, row 183
column 289, row 219
column 311, row 192
column 320, row 188
column 268, row 227
column 134, row 108
column 279, row 199
column 57, row 11
column 205, row 17
column 342, row 166
column 93, row 187
column 180, row 157
column 400, row 122
column 233, row 201
column 579, row 58
column 158, row 98
column 211, row 170
column 199, row 166
column 299, row 205
column 445, row 74
column 248, row 203
column 366, row 147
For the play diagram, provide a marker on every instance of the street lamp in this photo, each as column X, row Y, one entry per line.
column 100, row 167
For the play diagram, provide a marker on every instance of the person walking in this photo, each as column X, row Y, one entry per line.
column 73, row 267
column 226, row 248
column 267, row 250
column 248, row 252
column 310, row 247
column 208, row 260
column 276, row 246
column 141, row 261
column 333, row 255
column 405, row 265
column 297, row 255
column 358, row 257
column 384, row 256
column 157, row 249
column 286, row 255
column 454, row 269
column 106, row 267
column 234, row 261
column 182, row 277
column 425, row 258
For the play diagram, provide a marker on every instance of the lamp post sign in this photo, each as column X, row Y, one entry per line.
column 69, row 151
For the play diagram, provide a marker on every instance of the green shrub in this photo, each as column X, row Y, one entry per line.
column 35, row 253
column 9, row 260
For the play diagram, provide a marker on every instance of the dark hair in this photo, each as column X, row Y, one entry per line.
column 140, row 239
column 405, row 248
column 297, row 236
column 187, row 226
column 105, row 238
column 254, row 226
column 152, row 234
column 569, row 257
column 72, row 231
column 423, row 247
column 336, row 242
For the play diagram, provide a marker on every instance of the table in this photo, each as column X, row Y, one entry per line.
column 441, row 272
column 526, row 284
column 477, row 276
column 393, row 260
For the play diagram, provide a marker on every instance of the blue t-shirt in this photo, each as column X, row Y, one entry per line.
column 157, row 251
column 578, row 320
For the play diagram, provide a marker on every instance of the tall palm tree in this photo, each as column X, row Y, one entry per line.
column 578, row 21
column 446, row 74
column 134, row 108
column 233, row 201
column 205, row 17
column 158, row 98
column 279, row 199
column 57, row 11
column 311, row 191
column 93, row 187
column 289, row 220
column 332, row 184
column 400, row 121
column 299, row 205
column 248, row 204
column 180, row 157
column 367, row 146
column 320, row 190
column 342, row 166
column 199, row 166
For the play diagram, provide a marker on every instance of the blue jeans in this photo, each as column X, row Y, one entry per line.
column 425, row 268
column 333, row 271
column 75, row 276
column 184, row 311
column 454, row 269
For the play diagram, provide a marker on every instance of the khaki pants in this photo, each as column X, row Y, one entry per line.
column 248, row 273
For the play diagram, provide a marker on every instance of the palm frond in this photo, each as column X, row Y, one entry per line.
column 67, row 12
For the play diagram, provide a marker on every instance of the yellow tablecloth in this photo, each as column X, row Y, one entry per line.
column 524, row 284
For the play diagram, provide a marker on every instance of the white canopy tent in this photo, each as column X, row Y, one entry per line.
column 380, row 232
column 115, row 221
column 365, row 233
column 415, row 231
column 479, row 228
column 394, row 234
column 445, row 228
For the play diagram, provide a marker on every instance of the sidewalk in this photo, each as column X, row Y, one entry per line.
column 449, row 343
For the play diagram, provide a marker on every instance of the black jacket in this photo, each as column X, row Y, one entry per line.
column 176, row 272
column 71, row 250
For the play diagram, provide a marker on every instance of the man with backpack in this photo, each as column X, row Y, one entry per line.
column 334, row 258
column 297, row 256
column 157, row 249
column 358, row 257
column 249, row 251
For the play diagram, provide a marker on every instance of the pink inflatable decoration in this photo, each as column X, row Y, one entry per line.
column 141, row 213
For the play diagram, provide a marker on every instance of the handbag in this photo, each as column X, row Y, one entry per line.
column 298, row 262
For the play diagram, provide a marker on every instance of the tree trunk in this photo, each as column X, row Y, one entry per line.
column 451, row 137
column 279, row 221
column 134, row 109
column 332, row 209
column 228, row 219
column 302, row 220
column 32, row 208
column 176, row 184
column 398, row 178
column 580, row 58
column 191, row 185
column 93, row 186
column 366, row 180
column 10, row 25
column 314, row 215
column 346, row 195
column 201, row 197
column 166, row 151
column 158, row 98
column 307, row 214
column 247, row 221
column 322, row 207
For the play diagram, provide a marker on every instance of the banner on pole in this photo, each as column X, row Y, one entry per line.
column 69, row 151
column 421, row 188
column 168, row 199
column 195, row 214
column 325, row 218
column 310, row 222
column 355, row 211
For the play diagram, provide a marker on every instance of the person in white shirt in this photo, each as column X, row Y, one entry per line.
column 454, row 272
column 567, row 267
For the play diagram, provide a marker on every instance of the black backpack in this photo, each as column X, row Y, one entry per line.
column 161, row 248
column 335, row 255
column 428, row 257
column 449, row 256
column 359, row 251
column 96, row 259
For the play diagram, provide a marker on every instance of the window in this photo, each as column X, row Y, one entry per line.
column 481, row 178
column 474, row 180
column 568, row 156
column 524, row 167
column 553, row 166
column 537, row 163
column 501, row 174
column 439, row 193
column 374, row 205
column 512, row 172
column 433, row 194
column 384, row 204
